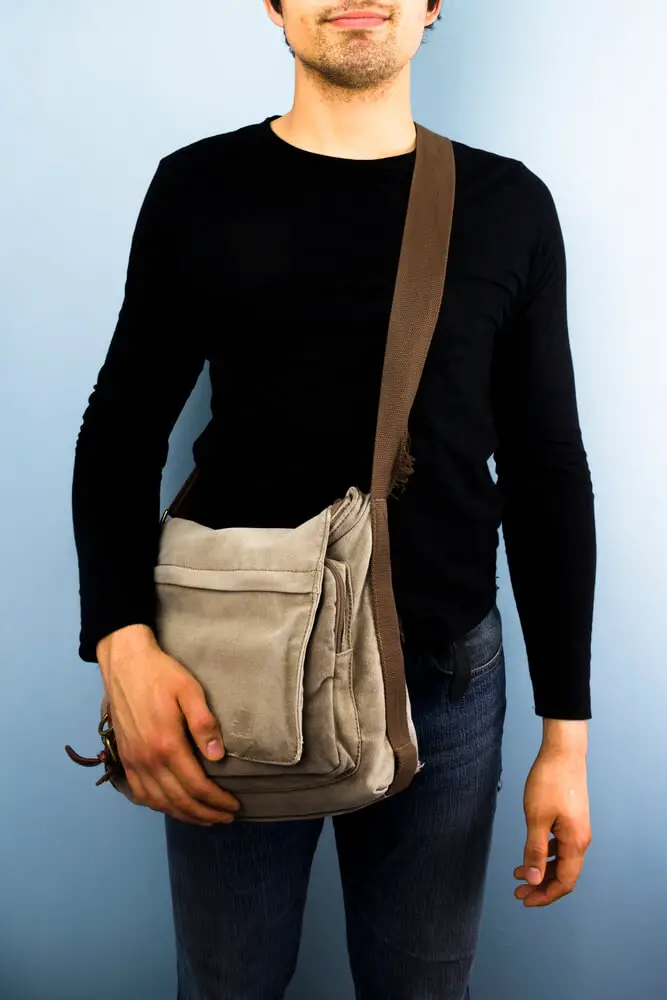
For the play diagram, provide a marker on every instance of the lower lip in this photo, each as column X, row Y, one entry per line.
column 359, row 22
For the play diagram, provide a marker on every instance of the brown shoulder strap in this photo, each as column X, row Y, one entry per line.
column 417, row 300
column 418, row 292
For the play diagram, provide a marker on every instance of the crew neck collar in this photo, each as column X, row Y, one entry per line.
column 341, row 161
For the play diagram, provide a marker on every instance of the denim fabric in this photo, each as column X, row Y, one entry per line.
column 413, row 867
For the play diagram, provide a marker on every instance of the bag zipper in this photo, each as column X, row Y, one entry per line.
column 339, row 627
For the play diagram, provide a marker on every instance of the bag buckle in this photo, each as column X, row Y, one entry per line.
column 106, row 735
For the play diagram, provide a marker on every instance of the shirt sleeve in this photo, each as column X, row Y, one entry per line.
column 152, row 364
column 544, row 477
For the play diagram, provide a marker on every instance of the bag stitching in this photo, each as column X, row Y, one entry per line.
column 233, row 569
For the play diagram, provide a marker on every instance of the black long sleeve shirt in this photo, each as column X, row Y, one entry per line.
column 277, row 266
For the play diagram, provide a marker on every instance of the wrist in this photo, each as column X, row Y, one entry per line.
column 565, row 735
column 124, row 644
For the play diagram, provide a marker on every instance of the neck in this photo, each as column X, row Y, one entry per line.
column 365, row 127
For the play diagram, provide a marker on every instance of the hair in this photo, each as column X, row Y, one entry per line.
column 277, row 6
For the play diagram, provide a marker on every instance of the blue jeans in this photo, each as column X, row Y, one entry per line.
column 413, row 867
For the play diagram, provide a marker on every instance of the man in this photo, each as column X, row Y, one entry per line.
column 271, row 252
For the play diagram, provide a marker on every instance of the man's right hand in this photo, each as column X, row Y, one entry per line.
column 153, row 698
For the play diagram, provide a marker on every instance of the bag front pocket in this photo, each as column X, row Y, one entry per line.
column 243, row 634
column 331, row 738
column 236, row 606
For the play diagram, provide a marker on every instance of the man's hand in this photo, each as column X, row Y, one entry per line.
column 555, row 801
column 153, row 698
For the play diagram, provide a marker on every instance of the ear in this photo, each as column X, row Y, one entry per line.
column 434, row 14
column 274, row 10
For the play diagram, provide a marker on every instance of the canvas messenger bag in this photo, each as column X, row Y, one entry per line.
column 294, row 633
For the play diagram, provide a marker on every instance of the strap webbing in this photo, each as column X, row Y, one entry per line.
column 417, row 300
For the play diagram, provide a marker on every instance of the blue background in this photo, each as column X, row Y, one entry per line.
column 92, row 95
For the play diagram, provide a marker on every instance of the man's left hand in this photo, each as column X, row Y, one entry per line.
column 555, row 801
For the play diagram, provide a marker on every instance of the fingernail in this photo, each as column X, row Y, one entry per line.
column 534, row 876
column 214, row 749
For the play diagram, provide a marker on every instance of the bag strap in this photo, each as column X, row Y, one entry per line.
column 417, row 300
column 418, row 292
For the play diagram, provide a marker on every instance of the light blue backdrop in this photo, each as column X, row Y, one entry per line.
column 92, row 95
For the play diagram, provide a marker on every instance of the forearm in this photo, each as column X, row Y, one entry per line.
column 116, row 539
column 549, row 530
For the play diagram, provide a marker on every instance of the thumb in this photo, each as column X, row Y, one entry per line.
column 201, row 722
column 536, row 851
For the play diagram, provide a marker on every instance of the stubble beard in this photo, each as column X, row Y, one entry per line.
column 355, row 63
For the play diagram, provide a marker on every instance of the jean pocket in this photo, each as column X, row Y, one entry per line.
column 473, row 655
column 482, row 646
column 477, row 670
